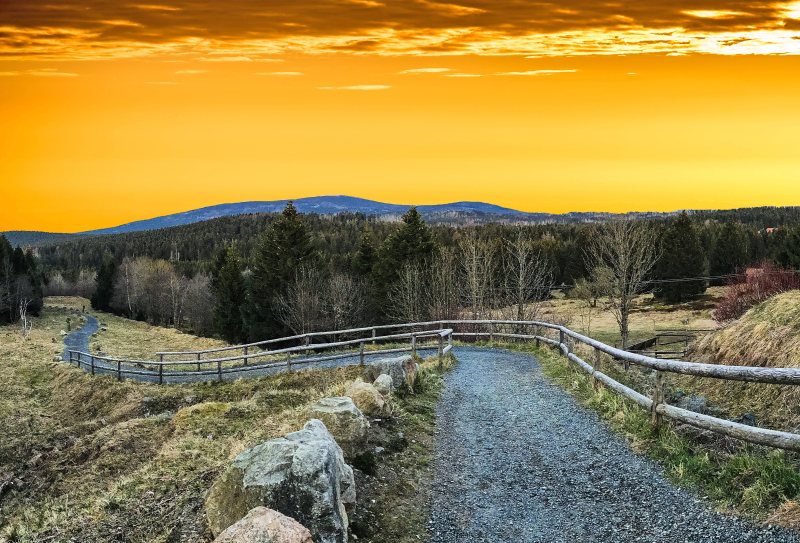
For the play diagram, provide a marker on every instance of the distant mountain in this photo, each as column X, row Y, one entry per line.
column 451, row 213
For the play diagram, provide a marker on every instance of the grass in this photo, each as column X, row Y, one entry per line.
column 90, row 459
column 766, row 336
column 757, row 482
column 647, row 317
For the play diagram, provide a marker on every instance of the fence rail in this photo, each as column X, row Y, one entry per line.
column 442, row 333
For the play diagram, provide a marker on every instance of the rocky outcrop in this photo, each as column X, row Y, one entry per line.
column 344, row 420
column 402, row 370
column 262, row 525
column 302, row 475
column 368, row 399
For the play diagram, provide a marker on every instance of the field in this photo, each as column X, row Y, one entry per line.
column 90, row 459
column 648, row 316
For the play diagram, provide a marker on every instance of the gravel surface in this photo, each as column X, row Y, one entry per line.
column 78, row 340
column 519, row 460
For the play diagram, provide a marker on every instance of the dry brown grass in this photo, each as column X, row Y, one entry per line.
column 766, row 336
column 91, row 458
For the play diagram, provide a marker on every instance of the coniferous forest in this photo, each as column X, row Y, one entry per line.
column 252, row 277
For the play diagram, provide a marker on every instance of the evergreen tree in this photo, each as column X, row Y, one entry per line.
column 730, row 250
column 20, row 278
column 280, row 252
column 229, row 295
column 411, row 244
column 788, row 255
column 682, row 256
column 106, row 274
column 365, row 257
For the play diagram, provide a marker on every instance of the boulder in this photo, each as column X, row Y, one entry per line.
column 368, row 399
column 344, row 420
column 384, row 384
column 302, row 475
column 402, row 370
column 262, row 525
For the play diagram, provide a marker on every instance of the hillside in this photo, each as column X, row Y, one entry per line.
column 768, row 335
column 89, row 459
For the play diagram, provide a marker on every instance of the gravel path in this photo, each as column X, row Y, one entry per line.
column 78, row 340
column 517, row 460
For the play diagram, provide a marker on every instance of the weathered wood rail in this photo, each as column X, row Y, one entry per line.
column 252, row 361
column 238, row 360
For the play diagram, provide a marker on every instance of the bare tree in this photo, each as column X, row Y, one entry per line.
column 25, row 322
column 444, row 286
column 199, row 304
column 344, row 301
column 407, row 295
column 629, row 249
column 528, row 276
column 477, row 263
column 302, row 308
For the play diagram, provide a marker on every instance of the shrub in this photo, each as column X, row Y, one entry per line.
column 758, row 285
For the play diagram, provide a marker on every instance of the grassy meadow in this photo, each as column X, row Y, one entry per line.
column 91, row 459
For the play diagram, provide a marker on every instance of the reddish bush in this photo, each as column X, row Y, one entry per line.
column 752, row 288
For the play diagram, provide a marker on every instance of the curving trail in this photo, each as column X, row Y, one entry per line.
column 518, row 460
column 78, row 339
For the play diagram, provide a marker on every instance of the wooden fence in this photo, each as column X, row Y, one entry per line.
column 560, row 337
column 251, row 361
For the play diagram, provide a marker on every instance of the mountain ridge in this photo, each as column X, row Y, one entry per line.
column 460, row 212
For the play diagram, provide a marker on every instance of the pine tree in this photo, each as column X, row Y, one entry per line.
column 228, row 286
column 106, row 274
column 284, row 247
column 366, row 255
column 682, row 256
column 411, row 244
column 730, row 250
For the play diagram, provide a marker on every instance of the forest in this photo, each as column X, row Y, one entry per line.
column 252, row 277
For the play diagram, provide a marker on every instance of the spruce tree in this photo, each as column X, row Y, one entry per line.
column 282, row 249
column 106, row 274
column 228, row 286
column 682, row 257
column 412, row 243
column 731, row 250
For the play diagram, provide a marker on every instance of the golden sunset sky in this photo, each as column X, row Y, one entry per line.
column 112, row 111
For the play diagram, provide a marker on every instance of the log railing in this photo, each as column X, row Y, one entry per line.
column 561, row 338
column 252, row 362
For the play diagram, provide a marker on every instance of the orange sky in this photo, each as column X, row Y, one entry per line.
column 112, row 112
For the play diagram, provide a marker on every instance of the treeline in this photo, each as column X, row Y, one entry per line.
column 257, row 276
column 21, row 283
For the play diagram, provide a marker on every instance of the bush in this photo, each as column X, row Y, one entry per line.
column 758, row 285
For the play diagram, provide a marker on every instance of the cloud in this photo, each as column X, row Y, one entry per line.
column 425, row 71
column 283, row 74
column 191, row 72
column 463, row 75
column 538, row 72
column 359, row 87
column 41, row 72
column 246, row 31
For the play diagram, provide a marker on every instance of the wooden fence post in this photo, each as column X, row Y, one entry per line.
column 361, row 354
column 491, row 332
column 91, row 360
column 119, row 370
column 219, row 370
column 597, row 366
column 441, row 349
column 658, row 398
column 161, row 357
column 161, row 374
column 198, row 361
column 374, row 335
column 288, row 361
column 413, row 344
column 246, row 352
column 307, row 341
